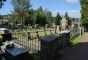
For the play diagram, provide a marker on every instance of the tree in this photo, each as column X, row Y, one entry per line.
column 58, row 18
column 1, row 17
column 14, row 18
column 40, row 17
column 68, row 18
column 84, row 12
column 49, row 17
column 21, row 8
column 2, row 3
column 30, row 19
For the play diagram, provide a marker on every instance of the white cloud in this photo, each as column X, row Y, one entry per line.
column 72, row 1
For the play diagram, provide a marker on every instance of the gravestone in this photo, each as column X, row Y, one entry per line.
column 29, row 26
column 36, row 26
column 58, row 28
column 72, row 25
column 46, row 25
column 53, row 25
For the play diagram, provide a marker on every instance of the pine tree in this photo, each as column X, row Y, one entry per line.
column 2, row 3
column 58, row 18
column 68, row 18
column 40, row 17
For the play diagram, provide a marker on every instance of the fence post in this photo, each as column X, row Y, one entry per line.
column 37, row 34
column 29, row 36
column 45, row 31
column 50, row 32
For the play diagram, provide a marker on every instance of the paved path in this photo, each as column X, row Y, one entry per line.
column 79, row 51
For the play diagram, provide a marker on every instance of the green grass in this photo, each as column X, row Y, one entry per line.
column 75, row 40
column 24, row 34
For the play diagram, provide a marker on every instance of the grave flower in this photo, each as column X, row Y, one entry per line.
column 1, row 38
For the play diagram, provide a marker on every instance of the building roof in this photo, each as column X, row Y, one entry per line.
column 3, row 21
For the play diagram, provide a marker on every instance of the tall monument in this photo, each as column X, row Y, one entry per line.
column 64, row 23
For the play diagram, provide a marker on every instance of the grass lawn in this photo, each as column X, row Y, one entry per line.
column 24, row 34
column 76, row 40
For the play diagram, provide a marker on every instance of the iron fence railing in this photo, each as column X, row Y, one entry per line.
column 31, row 39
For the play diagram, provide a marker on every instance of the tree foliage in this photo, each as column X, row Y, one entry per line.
column 58, row 18
column 84, row 12
column 1, row 17
column 21, row 9
column 2, row 3
column 68, row 18
column 49, row 17
column 23, row 13
column 40, row 17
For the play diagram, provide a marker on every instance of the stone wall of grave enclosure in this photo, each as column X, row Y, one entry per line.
column 74, row 32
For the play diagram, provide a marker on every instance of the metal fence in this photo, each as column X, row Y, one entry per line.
column 31, row 39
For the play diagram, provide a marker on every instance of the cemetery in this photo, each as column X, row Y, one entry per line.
column 31, row 33
column 46, row 43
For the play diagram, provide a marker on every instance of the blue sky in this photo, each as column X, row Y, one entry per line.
column 71, row 6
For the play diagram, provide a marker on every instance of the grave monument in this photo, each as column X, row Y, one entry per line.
column 64, row 23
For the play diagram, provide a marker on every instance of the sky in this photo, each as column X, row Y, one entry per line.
column 55, row 6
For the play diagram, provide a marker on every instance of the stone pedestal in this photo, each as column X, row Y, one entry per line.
column 64, row 39
column 49, row 47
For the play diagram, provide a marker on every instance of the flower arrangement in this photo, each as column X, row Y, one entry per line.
column 1, row 38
